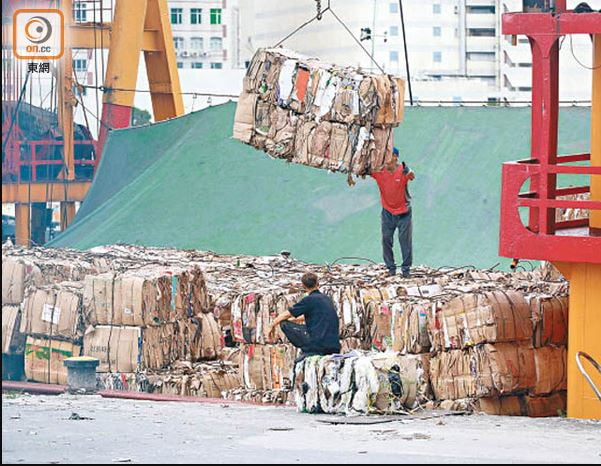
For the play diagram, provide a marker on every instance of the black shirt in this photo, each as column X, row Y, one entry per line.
column 321, row 319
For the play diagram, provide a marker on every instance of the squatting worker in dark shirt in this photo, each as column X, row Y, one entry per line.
column 396, row 212
column 321, row 334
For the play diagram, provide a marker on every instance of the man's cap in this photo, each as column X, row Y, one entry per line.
column 395, row 151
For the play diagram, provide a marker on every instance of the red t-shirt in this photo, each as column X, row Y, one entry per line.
column 393, row 190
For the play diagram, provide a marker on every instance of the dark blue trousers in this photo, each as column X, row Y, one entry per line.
column 390, row 223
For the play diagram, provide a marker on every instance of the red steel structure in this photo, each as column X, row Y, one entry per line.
column 573, row 246
column 544, row 238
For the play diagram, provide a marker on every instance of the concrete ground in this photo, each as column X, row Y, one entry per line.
column 76, row 429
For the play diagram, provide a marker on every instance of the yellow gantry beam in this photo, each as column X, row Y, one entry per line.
column 38, row 192
column 86, row 36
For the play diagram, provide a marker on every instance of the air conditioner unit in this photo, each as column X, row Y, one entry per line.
column 205, row 54
column 185, row 53
column 193, row 54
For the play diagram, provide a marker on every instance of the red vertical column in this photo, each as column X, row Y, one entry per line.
column 545, row 116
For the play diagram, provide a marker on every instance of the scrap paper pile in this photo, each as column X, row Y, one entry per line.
column 325, row 116
column 196, row 323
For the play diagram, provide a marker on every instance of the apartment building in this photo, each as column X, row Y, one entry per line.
column 205, row 33
column 456, row 50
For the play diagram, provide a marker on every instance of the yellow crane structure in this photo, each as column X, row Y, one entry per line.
column 137, row 26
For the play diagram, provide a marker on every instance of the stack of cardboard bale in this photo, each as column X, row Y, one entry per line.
column 41, row 308
column 158, row 320
column 502, row 348
column 265, row 359
column 325, row 116
column 148, row 318
column 493, row 341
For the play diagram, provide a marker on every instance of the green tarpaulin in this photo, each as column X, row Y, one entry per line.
column 186, row 183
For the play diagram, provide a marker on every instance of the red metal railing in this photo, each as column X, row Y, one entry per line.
column 554, row 241
column 34, row 154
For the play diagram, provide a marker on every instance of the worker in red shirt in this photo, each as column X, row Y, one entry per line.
column 396, row 212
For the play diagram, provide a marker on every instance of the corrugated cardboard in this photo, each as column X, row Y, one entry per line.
column 44, row 360
column 551, row 370
column 13, row 341
column 54, row 311
column 117, row 348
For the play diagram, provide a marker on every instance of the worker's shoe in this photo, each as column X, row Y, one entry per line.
column 406, row 274
column 391, row 273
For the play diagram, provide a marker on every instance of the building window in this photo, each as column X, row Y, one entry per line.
column 195, row 15
column 216, row 66
column 80, row 13
column 216, row 43
column 180, row 64
column 436, row 31
column 197, row 43
column 197, row 65
column 177, row 15
column 394, row 30
column 436, row 8
column 481, row 56
column 481, row 32
column 437, row 57
column 394, row 7
column 481, row 9
column 215, row 15
column 178, row 43
column 394, row 56
column 80, row 65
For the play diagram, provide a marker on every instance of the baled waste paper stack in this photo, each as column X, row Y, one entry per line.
column 458, row 337
column 148, row 318
column 492, row 350
column 325, row 116
column 40, row 312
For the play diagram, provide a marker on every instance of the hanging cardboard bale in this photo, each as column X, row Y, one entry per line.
column 305, row 111
column 13, row 341
column 44, row 360
column 55, row 311
column 550, row 318
column 491, row 317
